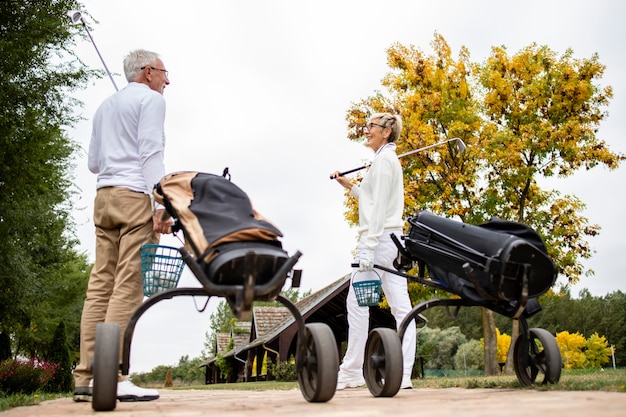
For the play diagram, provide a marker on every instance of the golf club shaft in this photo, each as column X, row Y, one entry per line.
column 341, row 174
column 99, row 55
column 461, row 147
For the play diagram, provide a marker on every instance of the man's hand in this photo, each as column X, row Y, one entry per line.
column 161, row 222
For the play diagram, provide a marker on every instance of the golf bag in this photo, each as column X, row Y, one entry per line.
column 499, row 261
column 232, row 241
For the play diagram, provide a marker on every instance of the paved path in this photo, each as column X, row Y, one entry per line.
column 426, row 402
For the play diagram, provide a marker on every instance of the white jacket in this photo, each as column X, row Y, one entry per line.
column 381, row 196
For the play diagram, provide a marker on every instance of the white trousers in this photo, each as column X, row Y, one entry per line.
column 395, row 290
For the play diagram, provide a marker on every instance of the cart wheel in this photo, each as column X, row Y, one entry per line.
column 317, row 372
column 106, row 366
column 539, row 354
column 383, row 362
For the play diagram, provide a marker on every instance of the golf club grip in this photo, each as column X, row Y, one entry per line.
column 341, row 174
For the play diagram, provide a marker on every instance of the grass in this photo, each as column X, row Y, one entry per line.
column 571, row 380
column 612, row 380
column 19, row 400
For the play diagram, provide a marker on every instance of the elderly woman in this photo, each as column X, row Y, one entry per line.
column 381, row 202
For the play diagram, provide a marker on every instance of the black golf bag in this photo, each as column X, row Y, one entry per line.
column 498, row 261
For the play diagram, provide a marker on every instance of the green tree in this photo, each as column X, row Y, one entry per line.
column 188, row 371
column 440, row 346
column 612, row 324
column 223, row 318
column 59, row 353
column 470, row 356
column 39, row 257
column 526, row 117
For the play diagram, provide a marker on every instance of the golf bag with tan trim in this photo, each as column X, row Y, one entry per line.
column 223, row 232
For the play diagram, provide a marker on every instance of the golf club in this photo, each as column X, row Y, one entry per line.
column 460, row 145
column 77, row 17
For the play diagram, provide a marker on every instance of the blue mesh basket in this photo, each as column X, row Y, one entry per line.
column 161, row 268
column 368, row 292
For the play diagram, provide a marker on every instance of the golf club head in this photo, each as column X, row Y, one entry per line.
column 460, row 145
column 75, row 16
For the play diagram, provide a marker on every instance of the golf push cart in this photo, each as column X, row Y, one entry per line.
column 234, row 253
column 499, row 265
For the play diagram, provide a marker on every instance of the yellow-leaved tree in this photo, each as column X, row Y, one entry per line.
column 504, row 341
column 571, row 346
column 578, row 352
column 597, row 352
column 523, row 117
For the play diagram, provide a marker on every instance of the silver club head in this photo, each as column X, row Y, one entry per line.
column 460, row 145
column 75, row 16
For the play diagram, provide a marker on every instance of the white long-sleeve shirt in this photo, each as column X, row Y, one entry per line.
column 381, row 196
column 128, row 139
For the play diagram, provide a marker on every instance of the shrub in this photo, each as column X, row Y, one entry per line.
column 284, row 371
column 25, row 377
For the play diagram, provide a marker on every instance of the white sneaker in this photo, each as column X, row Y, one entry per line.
column 406, row 383
column 344, row 381
column 127, row 391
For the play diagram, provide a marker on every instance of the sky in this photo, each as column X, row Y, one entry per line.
column 263, row 88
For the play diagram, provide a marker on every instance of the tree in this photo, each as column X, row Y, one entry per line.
column 597, row 351
column 188, row 370
column 223, row 318
column 168, row 379
column 543, row 112
column 5, row 347
column 560, row 312
column 571, row 346
column 524, row 118
column 59, row 353
column 504, row 342
column 470, row 356
column 490, row 341
column 41, row 266
column 440, row 346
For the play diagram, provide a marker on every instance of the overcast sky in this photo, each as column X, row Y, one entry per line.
column 262, row 87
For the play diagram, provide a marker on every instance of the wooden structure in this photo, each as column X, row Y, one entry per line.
column 273, row 333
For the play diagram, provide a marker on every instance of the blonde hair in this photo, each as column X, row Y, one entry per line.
column 392, row 121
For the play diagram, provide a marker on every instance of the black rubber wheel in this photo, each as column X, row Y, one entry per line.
column 383, row 362
column 539, row 354
column 106, row 366
column 317, row 372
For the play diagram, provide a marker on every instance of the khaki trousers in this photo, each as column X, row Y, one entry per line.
column 123, row 221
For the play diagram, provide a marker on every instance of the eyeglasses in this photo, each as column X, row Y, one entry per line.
column 371, row 124
column 166, row 72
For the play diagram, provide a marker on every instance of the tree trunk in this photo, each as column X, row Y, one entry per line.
column 489, row 335
column 508, row 370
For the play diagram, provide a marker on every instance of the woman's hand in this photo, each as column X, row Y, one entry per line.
column 346, row 183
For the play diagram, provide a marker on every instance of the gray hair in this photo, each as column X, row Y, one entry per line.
column 137, row 59
column 392, row 121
